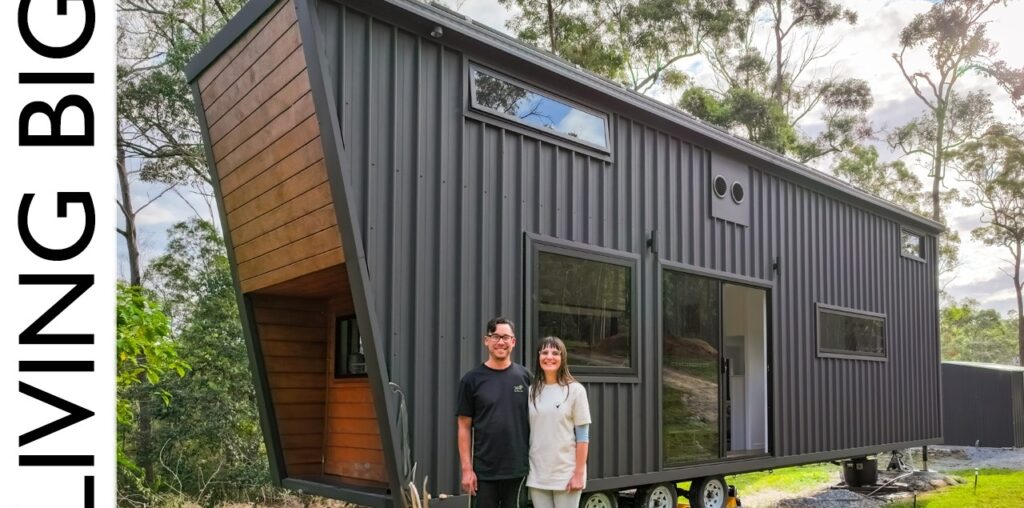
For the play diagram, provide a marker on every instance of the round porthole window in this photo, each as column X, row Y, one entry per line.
column 720, row 186
column 737, row 192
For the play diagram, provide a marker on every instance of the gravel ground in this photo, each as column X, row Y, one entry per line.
column 940, row 459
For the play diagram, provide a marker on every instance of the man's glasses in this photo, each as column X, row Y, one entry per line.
column 501, row 338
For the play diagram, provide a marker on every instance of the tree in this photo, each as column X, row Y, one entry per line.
column 953, row 35
column 211, row 446
column 994, row 166
column 767, row 92
column 891, row 181
column 158, row 137
column 636, row 42
column 145, row 353
column 972, row 334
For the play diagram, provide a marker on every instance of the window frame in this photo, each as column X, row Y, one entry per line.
column 535, row 244
column 920, row 236
column 856, row 313
column 600, row 151
column 339, row 348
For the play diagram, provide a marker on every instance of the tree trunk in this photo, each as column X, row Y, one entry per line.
column 1020, row 301
column 130, row 233
column 938, row 162
column 778, row 53
column 551, row 28
column 144, row 431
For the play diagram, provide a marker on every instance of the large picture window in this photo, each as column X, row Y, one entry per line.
column 850, row 333
column 586, row 300
column 516, row 102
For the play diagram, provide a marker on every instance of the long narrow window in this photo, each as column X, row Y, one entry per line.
column 538, row 110
column 850, row 333
column 349, row 359
column 587, row 300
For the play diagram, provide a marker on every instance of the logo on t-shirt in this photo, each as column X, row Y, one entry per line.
column 518, row 388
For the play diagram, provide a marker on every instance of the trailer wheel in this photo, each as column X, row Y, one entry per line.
column 660, row 495
column 600, row 499
column 708, row 492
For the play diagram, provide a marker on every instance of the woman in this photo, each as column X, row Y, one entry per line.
column 559, row 427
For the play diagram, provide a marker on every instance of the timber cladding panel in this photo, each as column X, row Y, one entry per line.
column 268, row 157
column 293, row 337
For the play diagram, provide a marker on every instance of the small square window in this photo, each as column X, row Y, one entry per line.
column 349, row 359
column 911, row 245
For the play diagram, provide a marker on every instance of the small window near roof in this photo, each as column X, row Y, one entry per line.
column 849, row 333
column 540, row 111
column 349, row 359
column 911, row 244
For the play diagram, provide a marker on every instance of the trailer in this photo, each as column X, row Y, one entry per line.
column 391, row 175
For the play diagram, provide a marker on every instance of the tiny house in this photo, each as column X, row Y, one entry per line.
column 391, row 175
column 983, row 404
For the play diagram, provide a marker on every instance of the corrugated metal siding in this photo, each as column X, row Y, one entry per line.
column 1017, row 388
column 442, row 201
column 980, row 405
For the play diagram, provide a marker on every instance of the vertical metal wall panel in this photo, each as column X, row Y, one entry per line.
column 443, row 199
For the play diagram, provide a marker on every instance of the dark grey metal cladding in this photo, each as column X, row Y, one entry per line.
column 984, row 404
column 442, row 199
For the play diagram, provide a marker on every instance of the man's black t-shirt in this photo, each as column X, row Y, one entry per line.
column 496, row 400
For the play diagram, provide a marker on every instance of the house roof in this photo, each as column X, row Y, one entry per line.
column 476, row 33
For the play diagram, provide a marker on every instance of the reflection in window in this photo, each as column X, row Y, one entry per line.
column 349, row 359
column 536, row 110
column 690, row 368
column 587, row 304
column 911, row 244
column 849, row 333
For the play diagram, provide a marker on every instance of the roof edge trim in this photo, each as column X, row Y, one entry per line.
column 235, row 28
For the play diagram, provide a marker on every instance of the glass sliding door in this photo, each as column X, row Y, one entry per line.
column 691, row 394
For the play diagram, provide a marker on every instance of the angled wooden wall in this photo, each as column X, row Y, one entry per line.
column 266, row 147
column 269, row 164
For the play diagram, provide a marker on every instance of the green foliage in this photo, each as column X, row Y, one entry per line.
column 761, row 119
column 210, row 439
column 156, row 122
column 891, row 181
column 994, row 166
column 145, row 354
column 997, row 488
column 972, row 334
column 632, row 41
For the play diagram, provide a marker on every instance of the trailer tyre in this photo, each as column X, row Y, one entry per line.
column 708, row 492
column 661, row 495
column 600, row 499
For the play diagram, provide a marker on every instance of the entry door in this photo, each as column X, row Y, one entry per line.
column 714, row 381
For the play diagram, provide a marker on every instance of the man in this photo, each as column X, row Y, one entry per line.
column 493, row 410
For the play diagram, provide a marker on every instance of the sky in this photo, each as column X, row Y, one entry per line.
column 863, row 51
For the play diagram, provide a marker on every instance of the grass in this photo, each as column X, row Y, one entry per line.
column 997, row 488
column 780, row 482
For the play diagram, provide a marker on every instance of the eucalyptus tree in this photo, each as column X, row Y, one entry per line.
column 953, row 35
column 635, row 42
column 158, row 137
column 993, row 165
column 769, row 91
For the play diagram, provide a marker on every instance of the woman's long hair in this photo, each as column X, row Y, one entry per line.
column 562, row 376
